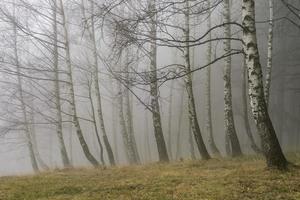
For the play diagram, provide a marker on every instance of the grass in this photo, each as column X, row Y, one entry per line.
column 217, row 179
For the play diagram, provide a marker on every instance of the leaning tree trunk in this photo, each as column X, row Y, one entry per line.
column 270, row 145
column 59, row 129
column 230, row 130
column 29, row 142
column 79, row 133
column 209, row 127
column 158, row 131
column 189, row 87
column 92, row 35
column 270, row 51
column 246, row 119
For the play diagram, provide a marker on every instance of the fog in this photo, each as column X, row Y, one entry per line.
column 33, row 22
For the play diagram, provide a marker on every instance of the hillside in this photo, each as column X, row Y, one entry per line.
column 231, row 179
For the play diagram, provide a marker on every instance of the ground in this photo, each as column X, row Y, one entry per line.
column 217, row 179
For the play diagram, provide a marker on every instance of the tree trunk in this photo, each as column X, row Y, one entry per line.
column 128, row 115
column 170, row 119
column 270, row 51
column 181, row 106
column 189, row 87
column 92, row 35
column 246, row 119
column 59, row 131
column 158, row 132
column 130, row 153
column 95, row 125
column 79, row 133
column 230, row 130
column 191, row 142
column 146, row 140
column 33, row 133
column 209, row 127
column 33, row 160
column 270, row 145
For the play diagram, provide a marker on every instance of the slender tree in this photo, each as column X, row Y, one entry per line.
column 189, row 87
column 209, row 127
column 92, row 36
column 270, row 51
column 230, row 130
column 158, row 131
column 59, row 129
column 21, row 97
column 79, row 133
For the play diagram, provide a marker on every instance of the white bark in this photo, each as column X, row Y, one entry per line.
column 189, row 87
column 270, row 51
column 270, row 145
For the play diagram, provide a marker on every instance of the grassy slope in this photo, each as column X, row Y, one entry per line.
column 238, row 179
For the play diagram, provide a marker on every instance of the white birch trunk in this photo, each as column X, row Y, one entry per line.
column 189, row 87
column 270, row 145
column 270, row 51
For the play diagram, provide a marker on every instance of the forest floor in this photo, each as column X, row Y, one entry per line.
column 217, row 179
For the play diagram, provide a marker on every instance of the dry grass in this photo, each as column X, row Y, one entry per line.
column 230, row 179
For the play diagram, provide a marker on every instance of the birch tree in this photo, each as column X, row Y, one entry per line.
column 270, row 145
column 158, row 131
column 246, row 119
column 59, row 130
column 76, row 122
column 128, row 113
column 92, row 37
column 209, row 127
column 189, row 87
column 230, row 130
column 21, row 97
column 270, row 51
